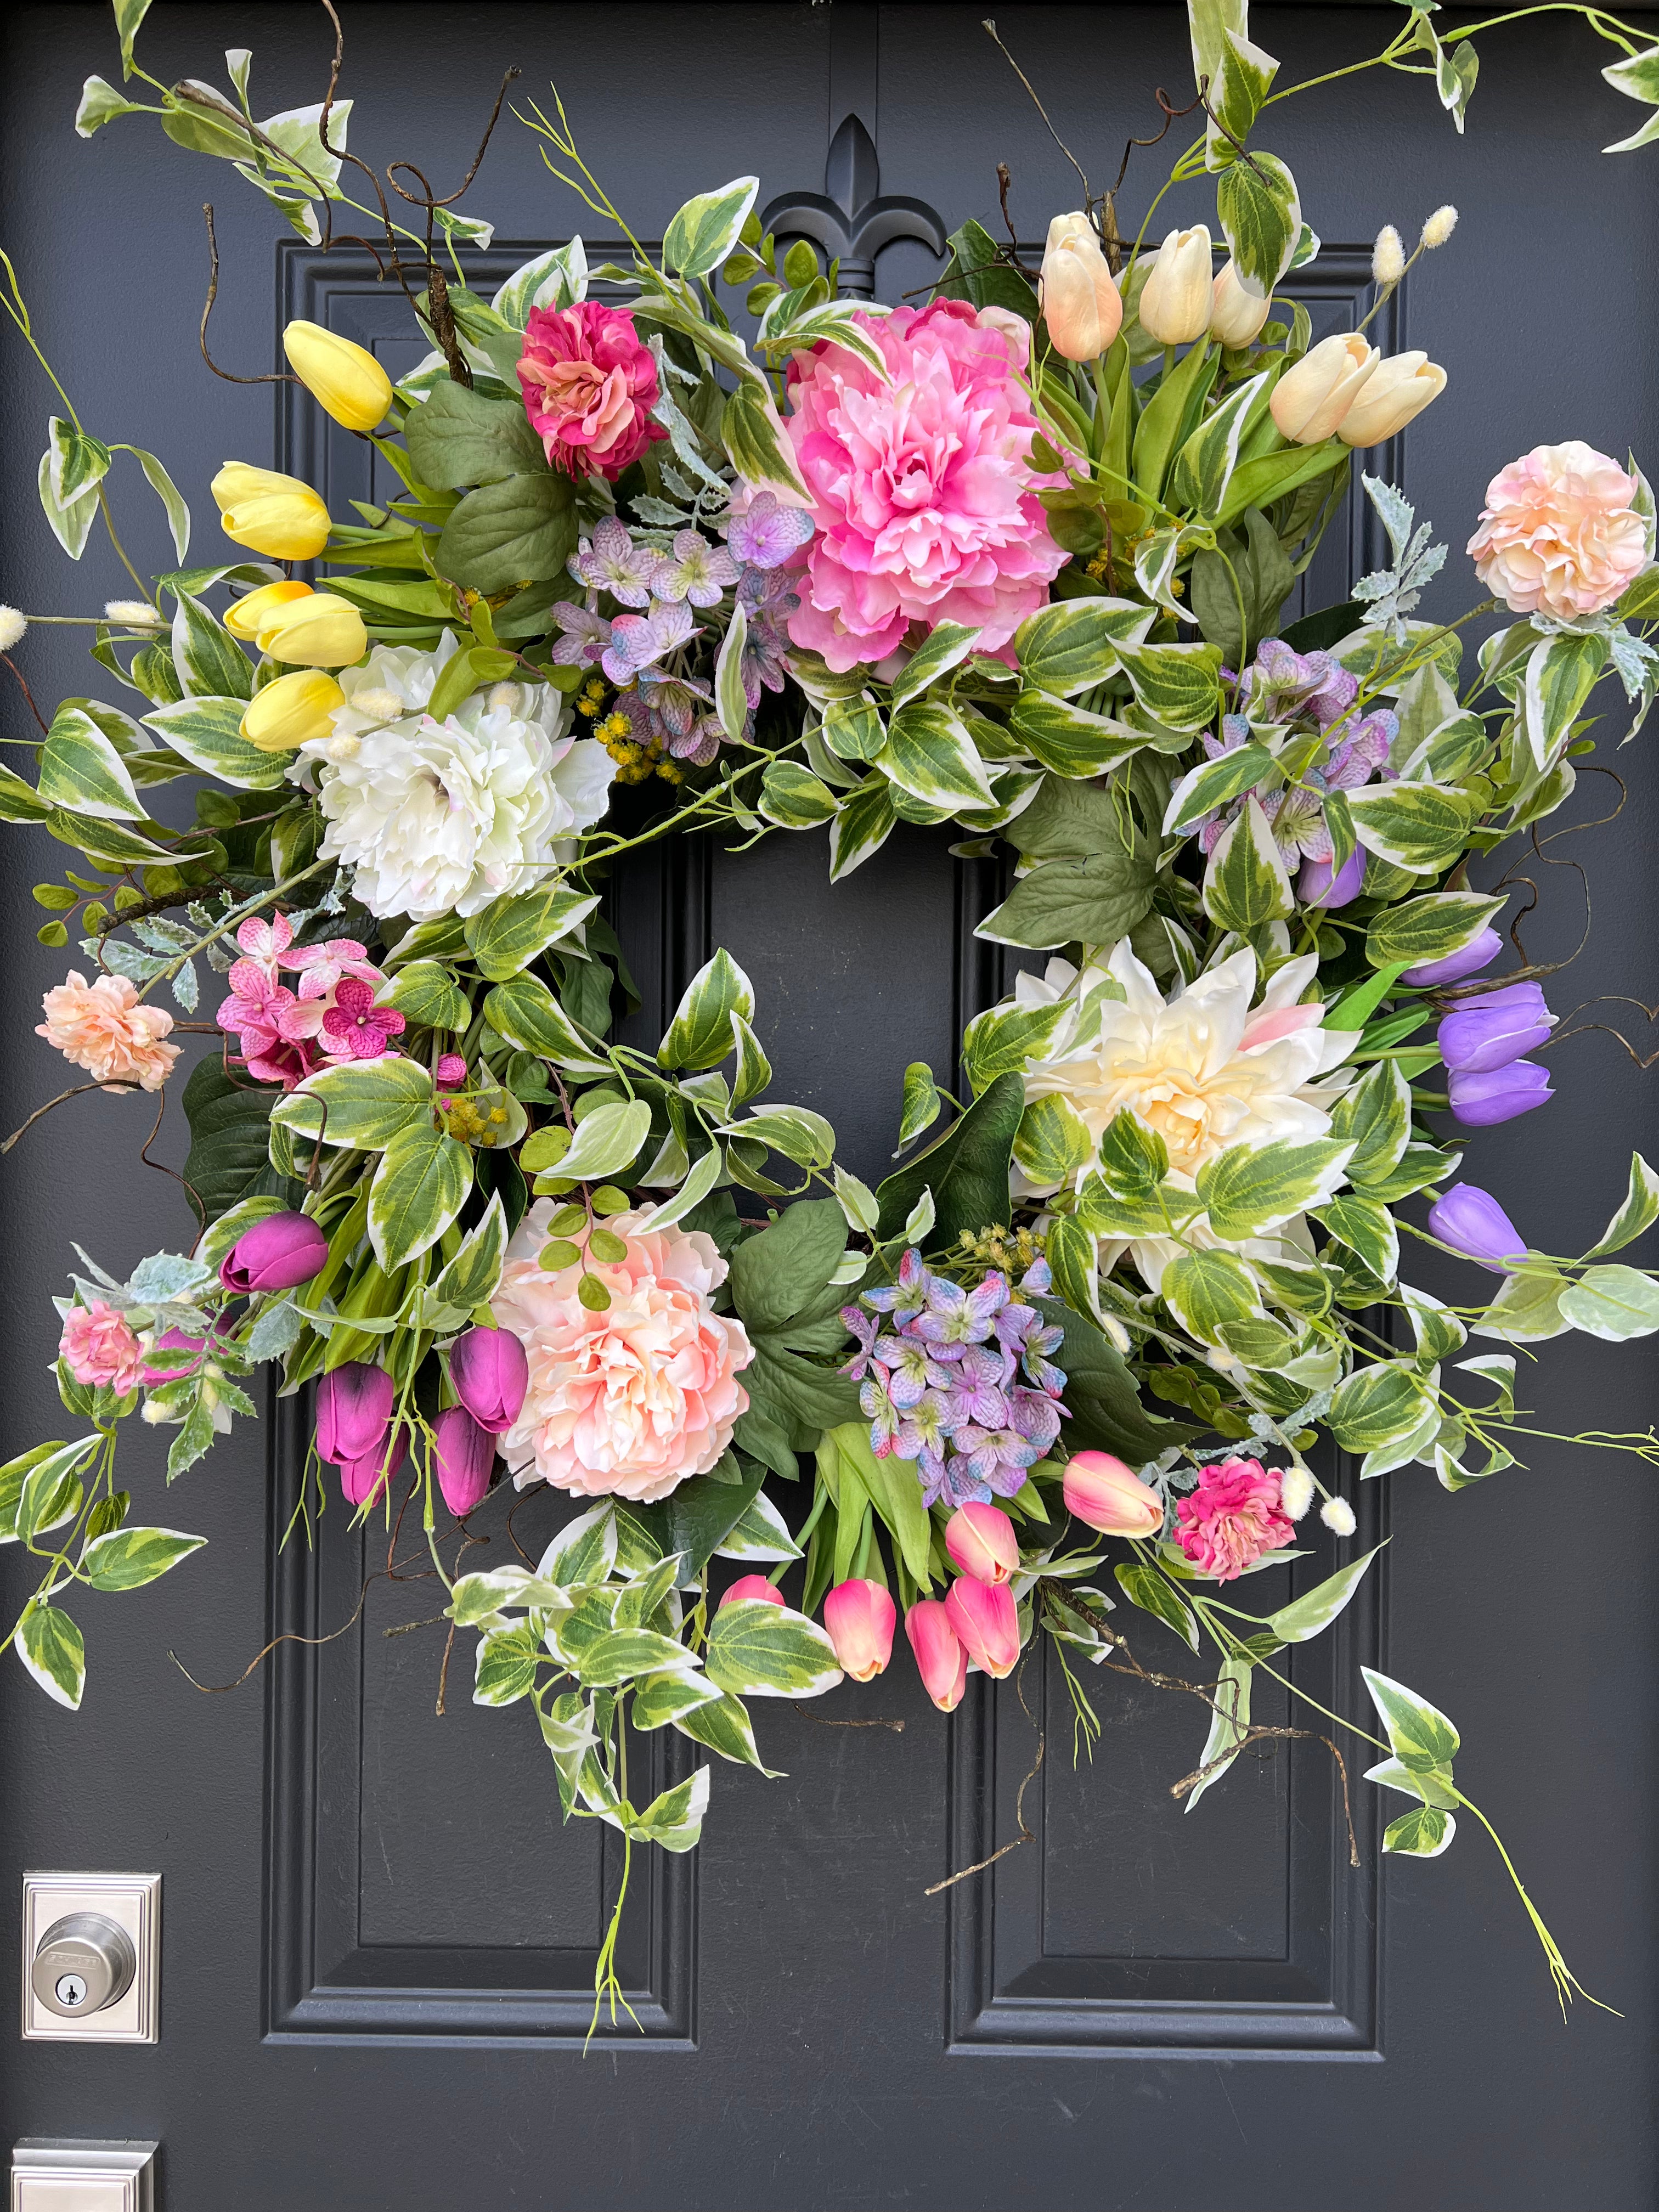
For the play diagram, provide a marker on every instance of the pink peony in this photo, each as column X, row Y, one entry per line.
column 923, row 490
column 632, row 1400
column 1560, row 534
column 102, row 1026
column 1232, row 1518
column 589, row 386
column 98, row 1346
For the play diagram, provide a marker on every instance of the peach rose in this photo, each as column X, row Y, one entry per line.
column 102, row 1026
column 630, row 1401
column 1558, row 533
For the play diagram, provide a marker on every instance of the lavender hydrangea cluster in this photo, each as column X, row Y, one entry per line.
column 642, row 650
column 940, row 1368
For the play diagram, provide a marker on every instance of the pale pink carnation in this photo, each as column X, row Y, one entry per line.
column 1558, row 534
column 102, row 1026
column 923, row 491
column 1232, row 1517
column 630, row 1401
column 98, row 1346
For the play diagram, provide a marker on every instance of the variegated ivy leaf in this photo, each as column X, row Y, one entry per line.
column 857, row 1200
column 921, row 1106
column 1052, row 1142
column 1639, row 1211
column 864, row 821
column 1528, row 1309
column 81, row 769
column 700, row 1035
column 1005, row 1041
column 1424, row 1740
column 1208, row 1292
column 53, row 1650
column 930, row 753
column 1637, row 78
column 1615, row 1303
column 675, row 1819
column 1215, row 783
column 1261, row 213
column 1075, row 644
column 1424, row 827
column 1230, row 1722
column 759, row 1534
column 1246, row 884
column 1561, row 673
column 1203, row 468
column 1379, row 1405
column 705, row 231
column 761, row 1650
column 558, row 278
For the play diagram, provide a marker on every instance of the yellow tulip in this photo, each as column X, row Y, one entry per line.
column 346, row 379
column 1081, row 304
column 294, row 710
column 1236, row 315
column 318, row 631
column 243, row 617
column 1310, row 400
column 1400, row 388
column 1177, row 298
column 271, row 513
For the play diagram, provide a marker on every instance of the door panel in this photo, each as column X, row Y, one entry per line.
column 379, row 1940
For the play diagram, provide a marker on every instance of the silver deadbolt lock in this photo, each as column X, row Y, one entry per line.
column 82, row 1964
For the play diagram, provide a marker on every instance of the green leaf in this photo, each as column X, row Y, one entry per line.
column 207, row 732
column 1133, row 1159
column 976, row 271
column 1203, row 469
column 57, row 1485
column 462, row 673
column 698, row 1515
column 706, row 230
column 1250, row 1187
column 1107, row 1415
column 607, row 1140
column 930, row 754
column 945, row 648
column 1614, row 1303
column 1052, row 1142
column 791, row 796
column 1379, row 1405
column 753, row 1070
column 469, row 1279
column 861, row 826
column 520, row 531
column 1421, row 826
column 79, row 767
column 1424, row 1833
column 229, row 1157
column 731, row 700
column 361, row 1106
column 209, row 662
column 506, row 1665
column 920, row 1104
column 1561, row 673
column 853, row 729
column 1246, row 884
column 1427, row 928
column 723, row 1725
column 1074, row 644
column 1215, row 783
column 1005, row 1041
column 524, row 1011
column 700, row 1035
column 775, row 1274
column 1144, row 1586
column 506, row 936
column 1422, row 1737
column 54, row 1651
column 1176, row 400
column 660, row 1698
column 626, row 1652
column 852, row 1473
column 755, row 442
column 1260, row 482
column 1527, row 1310
column 1071, row 740
column 1432, row 1785
column 1368, row 1230
column 1261, row 215
column 966, row 1169
column 426, row 994
column 1208, row 1292
column 756, row 1649
column 674, row 1820
column 1230, row 1722
column 458, row 438
column 1374, row 1117
column 419, row 1188
column 1095, row 900
column 128, row 1558
column 1638, row 1212
column 1306, row 1616
column 100, row 103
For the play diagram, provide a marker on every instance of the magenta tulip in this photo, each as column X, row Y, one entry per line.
column 751, row 1589
column 1103, row 1491
column 277, row 1254
column 354, row 1404
column 940, row 1660
column 861, row 1618
column 490, row 1374
column 463, row 1457
column 980, row 1539
column 362, row 1479
column 986, row 1622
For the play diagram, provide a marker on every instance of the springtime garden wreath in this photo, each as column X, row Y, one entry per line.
column 1013, row 560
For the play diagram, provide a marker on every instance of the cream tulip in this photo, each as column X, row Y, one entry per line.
column 1310, row 400
column 1236, row 315
column 294, row 710
column 270, row 513
column 1081, row 303
column 1400, row 388
column 243, row 617
column 346, row 379
column 318, row 631
column 1177, row 296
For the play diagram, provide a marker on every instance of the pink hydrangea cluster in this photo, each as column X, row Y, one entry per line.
column 1233, row 1517
column 102, row 1027
column 589, row 383
column 286, row 1035
column 631, row 1401
column 1560, row 534
column 924, row 494
column 99, row 1347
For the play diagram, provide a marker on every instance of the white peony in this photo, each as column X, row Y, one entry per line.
column 441, row 817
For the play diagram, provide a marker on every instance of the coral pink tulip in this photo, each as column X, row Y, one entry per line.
column 752, row 1587
column 940, row 1660
column 1102, row 1490
column 980, row 1539
column 986, row 1623
column 861, row 1618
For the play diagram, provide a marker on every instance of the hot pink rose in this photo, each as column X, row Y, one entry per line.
column 1232, row 1518
column 1558, row 534
column 923, row 490
column 98, row 1346
column 589, row 386
column 632, row 1400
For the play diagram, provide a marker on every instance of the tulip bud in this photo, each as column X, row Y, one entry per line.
column 354, row 1405
column 1319, row 885
column 1401, row 388
column 750, row 1589
column 321, row 630
column 987, row 1624
column 940, row 1660
column 1103, row 1491
column 1178, row 296
column 462, row 1454
column 490, row 1374
column 294, row 710
column 1236, row 315
column 1081, row 303
column 860, row 1617
column 1310, row 400
column 346, row 379
column 362, row 1479
column 275, row 1255
column 270, row 513
column 243, row 617
column 1472, row 1222
column 1499, row 1094
column 980, row 1539
column 1468, row 959
column 1489, row 1032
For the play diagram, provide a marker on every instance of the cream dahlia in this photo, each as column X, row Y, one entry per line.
column 630, row 1401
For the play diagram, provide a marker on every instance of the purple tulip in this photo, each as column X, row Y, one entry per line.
column 463, row 1455
column 1473, row 1223
column 360, row 1479
column 1469, row 960
column 354, row 1404
column 275, row 1255
column 1316, row 886
column 1499, row 1094
column 491, row 1374
column 1491, row 1031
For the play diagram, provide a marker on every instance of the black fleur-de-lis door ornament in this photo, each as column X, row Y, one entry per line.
column 851, row 218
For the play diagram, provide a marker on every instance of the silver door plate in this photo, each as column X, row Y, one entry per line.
column 50, row 2174
column 133, row 1901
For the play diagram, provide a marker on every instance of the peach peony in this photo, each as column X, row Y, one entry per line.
column 98, row 1346
column 1560, row 534
column 102, row 1026
column 630, row 1401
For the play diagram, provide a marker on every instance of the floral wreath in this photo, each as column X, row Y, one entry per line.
column 1013, row 560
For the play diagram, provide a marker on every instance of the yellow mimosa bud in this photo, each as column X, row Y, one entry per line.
column 346, row 379
column 294, row 710
column 271, row 513
column 243, row 617
column 318, row 631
